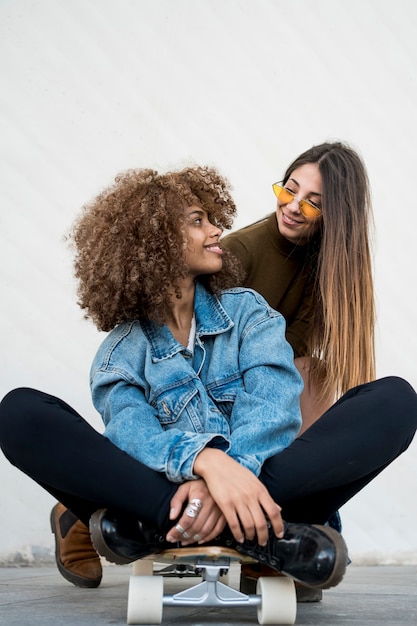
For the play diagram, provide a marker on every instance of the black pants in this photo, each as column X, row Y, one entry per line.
column 352, row 442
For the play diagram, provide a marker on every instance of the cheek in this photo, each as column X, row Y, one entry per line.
column 314, row 226
column 188, row 244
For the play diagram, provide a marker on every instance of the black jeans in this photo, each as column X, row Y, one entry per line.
column 352, row 442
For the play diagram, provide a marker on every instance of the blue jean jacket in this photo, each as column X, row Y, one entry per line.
column 238, row 391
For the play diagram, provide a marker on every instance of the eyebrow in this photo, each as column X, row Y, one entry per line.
column 196, row 212
column 312, row 193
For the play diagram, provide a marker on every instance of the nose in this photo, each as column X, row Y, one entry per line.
column 216, row 231
column 294, row 205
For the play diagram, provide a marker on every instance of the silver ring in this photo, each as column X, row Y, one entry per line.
column 186, row 535
column 196, row 502
column 191, row 510
column 197, row 537
column 180, row 529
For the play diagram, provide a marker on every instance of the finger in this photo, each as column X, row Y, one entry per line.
column 183, row 534
column 265, row 513
column 177, row 502
column 234, row 525
column 189, row 525
column 200, row 525
column 255, row 517
column 261, row 528
column 274, row 515
column 255, row 524
column 204, row 530
column 247, row 518
column 215, row 532
column 176, row 533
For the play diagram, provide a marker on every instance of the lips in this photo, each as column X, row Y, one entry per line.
column 289, row 221
column 214, row 247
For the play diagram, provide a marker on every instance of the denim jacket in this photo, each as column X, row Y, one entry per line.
column 238, row 391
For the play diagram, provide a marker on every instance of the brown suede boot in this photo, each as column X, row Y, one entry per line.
column 75, row 556
column 250, row 572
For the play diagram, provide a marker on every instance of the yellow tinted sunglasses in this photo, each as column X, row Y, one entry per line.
column 308, row 209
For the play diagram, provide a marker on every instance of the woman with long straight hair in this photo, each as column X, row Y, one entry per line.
column 311, row 260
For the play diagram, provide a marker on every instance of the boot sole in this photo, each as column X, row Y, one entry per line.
column 78, row 581
column 99, row 542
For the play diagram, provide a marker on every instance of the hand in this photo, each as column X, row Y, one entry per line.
column 209, row 521
column 242, row 498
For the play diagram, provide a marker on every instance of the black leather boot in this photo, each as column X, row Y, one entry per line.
column 123, row 539
column 313, row 555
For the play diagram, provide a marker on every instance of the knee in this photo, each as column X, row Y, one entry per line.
column 13, row 409
column 15, row 399
column 400, row 399
column 396, row 388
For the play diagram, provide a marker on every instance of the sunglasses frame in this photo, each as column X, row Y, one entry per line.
column 312, row 210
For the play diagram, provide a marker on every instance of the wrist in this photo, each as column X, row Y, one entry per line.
column 205, row 459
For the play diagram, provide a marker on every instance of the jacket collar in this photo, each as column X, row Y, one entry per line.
column 211, row 319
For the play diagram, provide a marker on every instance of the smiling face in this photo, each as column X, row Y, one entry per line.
column 203, row 254
column 306, row 184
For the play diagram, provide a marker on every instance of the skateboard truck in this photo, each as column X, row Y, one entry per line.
column 275, row 598
column 211, row 591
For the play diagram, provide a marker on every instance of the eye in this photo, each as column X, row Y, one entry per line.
column 290, row 191
column 287, row 195
column 314, row 204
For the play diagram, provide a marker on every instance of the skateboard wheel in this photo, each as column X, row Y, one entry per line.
column 278, row 600
column 142, row 568
column 145, row 600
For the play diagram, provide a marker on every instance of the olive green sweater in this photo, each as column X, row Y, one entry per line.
column 276, row 268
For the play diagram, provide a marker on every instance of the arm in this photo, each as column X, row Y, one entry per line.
column 133, row 426
column 265, row 417
column 313, row 405
column 139, row 417
column 298, row 329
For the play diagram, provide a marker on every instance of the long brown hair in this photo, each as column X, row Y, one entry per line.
column 342, row 336
column 129, row 242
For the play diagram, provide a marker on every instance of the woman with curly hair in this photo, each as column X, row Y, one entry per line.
column 199, row 394
column 130, row 243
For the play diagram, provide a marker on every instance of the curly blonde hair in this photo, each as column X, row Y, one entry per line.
column 129, row 242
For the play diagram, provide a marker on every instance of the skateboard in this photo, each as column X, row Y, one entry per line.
column 275, row 597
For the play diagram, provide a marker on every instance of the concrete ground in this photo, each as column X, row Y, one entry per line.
column 368, row 596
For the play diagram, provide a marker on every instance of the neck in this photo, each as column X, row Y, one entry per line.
column 181, row 314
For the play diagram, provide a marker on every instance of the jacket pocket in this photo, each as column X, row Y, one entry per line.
column 178, row 406
column 223, row 392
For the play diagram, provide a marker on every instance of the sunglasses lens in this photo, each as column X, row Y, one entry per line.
column 308, row 210
column 282, row 194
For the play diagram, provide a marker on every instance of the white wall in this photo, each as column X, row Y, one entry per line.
column 91, row 87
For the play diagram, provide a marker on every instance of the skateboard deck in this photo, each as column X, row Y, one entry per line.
column 275, row 598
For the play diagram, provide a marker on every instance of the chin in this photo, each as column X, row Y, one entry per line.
column 294, row 237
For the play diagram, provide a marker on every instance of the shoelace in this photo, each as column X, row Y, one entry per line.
column 263, row 554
